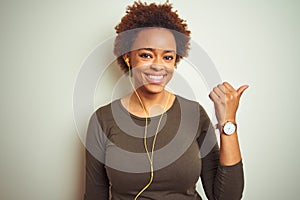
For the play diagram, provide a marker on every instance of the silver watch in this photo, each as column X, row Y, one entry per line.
column 229, row 128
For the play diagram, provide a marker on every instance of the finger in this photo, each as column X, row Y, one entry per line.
column 222, row 88
column 219, row 92
column 228, row 86
column 214, row 97
column 241, row 90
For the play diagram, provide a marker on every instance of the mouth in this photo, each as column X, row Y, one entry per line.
column 155, row 78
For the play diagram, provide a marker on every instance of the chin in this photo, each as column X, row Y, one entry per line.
column 153, row 88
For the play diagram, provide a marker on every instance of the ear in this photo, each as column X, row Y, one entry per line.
column 126, row 55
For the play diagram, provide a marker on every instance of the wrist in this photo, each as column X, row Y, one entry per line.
column 230, row 118
column 229, row 127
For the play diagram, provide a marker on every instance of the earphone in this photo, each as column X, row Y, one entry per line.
column 150, row 158
column 127, row 62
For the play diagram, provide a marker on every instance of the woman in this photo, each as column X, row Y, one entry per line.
column 153, row 144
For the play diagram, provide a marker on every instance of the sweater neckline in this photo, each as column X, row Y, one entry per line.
column 144, row 118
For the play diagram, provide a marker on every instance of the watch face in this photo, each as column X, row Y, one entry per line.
column 229, row 128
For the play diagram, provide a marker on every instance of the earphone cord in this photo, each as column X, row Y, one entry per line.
column 150, row 158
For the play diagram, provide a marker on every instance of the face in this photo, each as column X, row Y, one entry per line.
column 152, row 59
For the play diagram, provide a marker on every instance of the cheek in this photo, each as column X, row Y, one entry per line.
column 170, row 70
column 137, row 72
column 134, row 60
column 170, row 74
column 171, row 64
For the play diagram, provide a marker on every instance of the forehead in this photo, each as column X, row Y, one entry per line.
column 155, row 38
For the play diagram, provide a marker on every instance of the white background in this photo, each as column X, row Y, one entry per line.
column 43, row 44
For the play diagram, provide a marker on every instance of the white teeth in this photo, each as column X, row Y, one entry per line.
column 156, row 77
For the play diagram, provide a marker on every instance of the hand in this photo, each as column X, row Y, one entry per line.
column 226, row 101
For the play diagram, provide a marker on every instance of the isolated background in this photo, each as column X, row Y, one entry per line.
column 43, row 44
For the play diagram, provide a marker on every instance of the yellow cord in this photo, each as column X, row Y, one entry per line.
column 150, row 158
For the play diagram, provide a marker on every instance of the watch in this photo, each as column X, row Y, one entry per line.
column 229, row 128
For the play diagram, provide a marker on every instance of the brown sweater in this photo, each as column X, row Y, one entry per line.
column 117, row 167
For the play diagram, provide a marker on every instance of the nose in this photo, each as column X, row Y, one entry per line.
column 157, row 64
column 156, row 67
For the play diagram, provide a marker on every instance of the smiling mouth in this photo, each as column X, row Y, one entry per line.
column 155, row 78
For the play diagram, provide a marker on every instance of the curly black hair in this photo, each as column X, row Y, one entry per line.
column 141, row 15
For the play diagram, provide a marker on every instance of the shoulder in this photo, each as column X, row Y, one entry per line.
column 193, row 107
column 186, row 102
column 106, row 112
column 189, row 103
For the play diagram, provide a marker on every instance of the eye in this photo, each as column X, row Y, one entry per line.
column 168, row 57
column 145, row 55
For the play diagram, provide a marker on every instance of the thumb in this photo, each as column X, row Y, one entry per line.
column 241, row 90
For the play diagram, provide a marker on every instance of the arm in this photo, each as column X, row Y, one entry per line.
column 222, row 170
column 226, row 101
column 97, row 183
column 219, row 181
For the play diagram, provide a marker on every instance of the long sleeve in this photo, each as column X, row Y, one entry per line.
column 219, row 182
column 97, row 183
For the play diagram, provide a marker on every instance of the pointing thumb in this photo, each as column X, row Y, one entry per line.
column 241, row 89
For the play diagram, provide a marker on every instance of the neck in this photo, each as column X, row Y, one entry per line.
column 149, row 104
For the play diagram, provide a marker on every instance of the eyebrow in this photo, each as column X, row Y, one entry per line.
column 151, row 49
